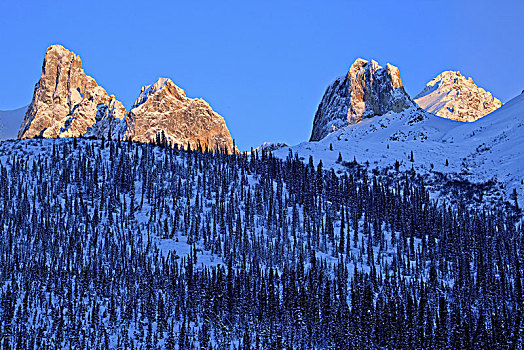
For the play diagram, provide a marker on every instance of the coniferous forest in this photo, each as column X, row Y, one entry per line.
column 120, row 245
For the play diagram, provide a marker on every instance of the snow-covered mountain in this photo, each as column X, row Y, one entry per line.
column 68, row 103
column 10, row 122
column 367, row 90
column 164, row 107
column 454, row 96
column 487, row 151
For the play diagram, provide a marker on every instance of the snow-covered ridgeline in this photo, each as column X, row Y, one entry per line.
column 483, row 151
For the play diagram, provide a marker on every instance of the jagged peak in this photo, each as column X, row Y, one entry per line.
column 58, row 55
column 361, row 65
column 59, row 51
column 373, row 66
column 394, row 73
column 67, row 102
column 357, row 65
column 163, row 107
column 367, row 90
column 157, row 85
column 360, row 61
column 148, row 90
column 450, row 77
column 58, row 48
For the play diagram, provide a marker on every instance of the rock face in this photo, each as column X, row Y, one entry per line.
column 451, row 95
column 164, row 107
column 68, row 103
column 367, row 90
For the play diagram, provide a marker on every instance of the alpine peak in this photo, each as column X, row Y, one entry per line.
column 367, row 90
column 452, row 95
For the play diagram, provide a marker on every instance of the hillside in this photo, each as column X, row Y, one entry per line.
column 484, row 152
column 126, row 245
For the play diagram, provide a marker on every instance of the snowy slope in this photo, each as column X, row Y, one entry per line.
column 270, row 146
column 130, row 245
column 489, row 149
column 494, row 145
column 10, row 122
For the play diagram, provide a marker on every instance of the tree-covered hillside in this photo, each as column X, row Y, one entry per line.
column 130, row 246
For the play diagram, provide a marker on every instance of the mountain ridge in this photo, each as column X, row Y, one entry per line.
column 68, row 103
column 443, row 151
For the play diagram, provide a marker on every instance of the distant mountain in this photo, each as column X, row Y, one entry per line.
column 68, row 103
column 10, row 122
column 164, row 107
column 109, row 244
column 451, row 95
column 367, row 90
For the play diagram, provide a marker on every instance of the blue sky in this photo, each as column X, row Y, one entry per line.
column 262, row 65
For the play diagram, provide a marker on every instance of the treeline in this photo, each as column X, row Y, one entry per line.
column 272, row 254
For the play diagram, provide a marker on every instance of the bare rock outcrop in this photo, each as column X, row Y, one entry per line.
column 367, row 90
column 164, row 108
column 68, row 103
column 454, row 96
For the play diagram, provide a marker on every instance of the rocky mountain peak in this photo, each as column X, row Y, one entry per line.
column 68, row 103
column 367, row 90
column 161, row 83
column 452, row 95
column 163, row 107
